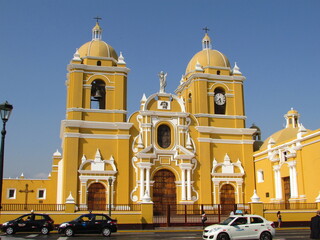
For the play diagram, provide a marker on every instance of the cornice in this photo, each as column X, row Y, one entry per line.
column 97, row 125
column 163, row 114
column 220, row 116
column 85, row 110
column 231, row 131
column 78, row 67
column 95, row 136
column 225, row 141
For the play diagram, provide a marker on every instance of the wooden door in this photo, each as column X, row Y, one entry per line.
column 96, row 197
column 287, row 193
column 164, row 190
column 227, row 198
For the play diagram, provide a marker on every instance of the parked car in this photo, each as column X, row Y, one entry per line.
column 241, row 227
column 89, row 223
column 29, row 222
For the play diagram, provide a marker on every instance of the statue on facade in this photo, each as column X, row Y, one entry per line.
column 163, row 81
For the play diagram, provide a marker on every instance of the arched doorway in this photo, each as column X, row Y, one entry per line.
column 97, row 197
column 164, row 190
column 227, row 198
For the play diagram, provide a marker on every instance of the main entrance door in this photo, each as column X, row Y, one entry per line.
column 97, row 197
column 287, row 194
column 164, row 191
column 227, row 198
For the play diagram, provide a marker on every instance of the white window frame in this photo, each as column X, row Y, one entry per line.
column 260, row 176
column 14, row 195
column 44, row 193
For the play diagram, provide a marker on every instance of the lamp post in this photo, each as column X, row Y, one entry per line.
column 5, row 111
column 110, row 183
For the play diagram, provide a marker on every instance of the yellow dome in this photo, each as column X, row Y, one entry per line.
column 208, row 58
column 292, row 112
column 97, row 48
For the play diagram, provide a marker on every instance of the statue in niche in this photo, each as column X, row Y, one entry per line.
column 163, row 81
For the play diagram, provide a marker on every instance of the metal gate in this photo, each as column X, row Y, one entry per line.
column 190, row 215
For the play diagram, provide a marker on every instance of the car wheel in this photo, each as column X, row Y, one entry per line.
column 44, row 230
column 265, row 236
column 10, row 231
column 69, row 232
column 223, row 236
column 106, row 232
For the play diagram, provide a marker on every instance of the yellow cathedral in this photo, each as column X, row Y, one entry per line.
column 187, row 147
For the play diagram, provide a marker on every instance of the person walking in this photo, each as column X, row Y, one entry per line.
column 279, row 219
column 203, row 219
column 315, row 226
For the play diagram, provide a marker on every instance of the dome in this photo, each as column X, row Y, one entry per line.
column 283, row 135
column 208, row 57
column 97, row 48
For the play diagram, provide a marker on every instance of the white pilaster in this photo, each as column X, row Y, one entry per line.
column 188, row 184
column 183, row 185
column 141, row 182
column 293, row 180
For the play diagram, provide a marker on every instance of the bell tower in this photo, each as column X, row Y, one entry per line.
column 95, row 123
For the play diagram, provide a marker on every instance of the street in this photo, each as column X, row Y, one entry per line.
column 282, row 234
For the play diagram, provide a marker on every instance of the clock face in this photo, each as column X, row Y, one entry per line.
column 219, row 98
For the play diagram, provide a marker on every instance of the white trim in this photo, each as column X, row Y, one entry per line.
column 96, row 125
column 220, row 116
column 86, row 68
column 96, row 136
column 295, row 141
column 86, row 110
column 225, row 141
column 231, row 131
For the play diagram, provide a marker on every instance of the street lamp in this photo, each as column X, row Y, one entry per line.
column 5, row 111
column 110, row 183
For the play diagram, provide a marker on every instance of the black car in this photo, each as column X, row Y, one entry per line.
column 89, row 223
column 29, row 223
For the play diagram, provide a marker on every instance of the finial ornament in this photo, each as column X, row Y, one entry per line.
column 163, row 81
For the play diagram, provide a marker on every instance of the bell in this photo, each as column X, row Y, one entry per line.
column 98, row 95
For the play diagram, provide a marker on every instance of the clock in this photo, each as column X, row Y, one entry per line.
column 219, row 98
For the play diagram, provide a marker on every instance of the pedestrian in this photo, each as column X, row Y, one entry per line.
column 315, row 226
column 203, row 218
column 279, row 219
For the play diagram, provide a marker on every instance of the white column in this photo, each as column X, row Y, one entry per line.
column 183, row 190
column 141, row 182
column 277, row 179
column 293, row 182
column 148, row 181
column 188, row 184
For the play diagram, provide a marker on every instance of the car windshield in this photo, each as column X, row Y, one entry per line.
column 227, row 221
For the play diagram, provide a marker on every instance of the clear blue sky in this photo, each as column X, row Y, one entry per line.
column 275, row 43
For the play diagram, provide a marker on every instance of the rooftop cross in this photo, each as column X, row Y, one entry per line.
column 97, row 18
column 206, row 29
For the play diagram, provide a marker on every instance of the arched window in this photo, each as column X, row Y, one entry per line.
column 219, row 101
column 99, row 63
column 98, row 94
column 164, row 136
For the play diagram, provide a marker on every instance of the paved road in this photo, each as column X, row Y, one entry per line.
column 282, row 234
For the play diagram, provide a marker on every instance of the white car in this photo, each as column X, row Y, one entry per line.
column 241, row 227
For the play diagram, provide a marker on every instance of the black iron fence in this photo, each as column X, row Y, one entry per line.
column 186, row 214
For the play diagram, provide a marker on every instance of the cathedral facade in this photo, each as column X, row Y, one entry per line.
column 187, row 147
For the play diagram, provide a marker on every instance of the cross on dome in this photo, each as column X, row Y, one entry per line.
column 97, row 30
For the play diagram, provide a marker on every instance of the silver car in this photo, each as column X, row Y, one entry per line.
column 241, row 227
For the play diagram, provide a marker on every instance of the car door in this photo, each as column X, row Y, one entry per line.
column 24, row 223
column 239, row 228
column 257, row 224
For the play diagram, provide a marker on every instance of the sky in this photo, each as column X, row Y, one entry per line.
column 275, row 43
